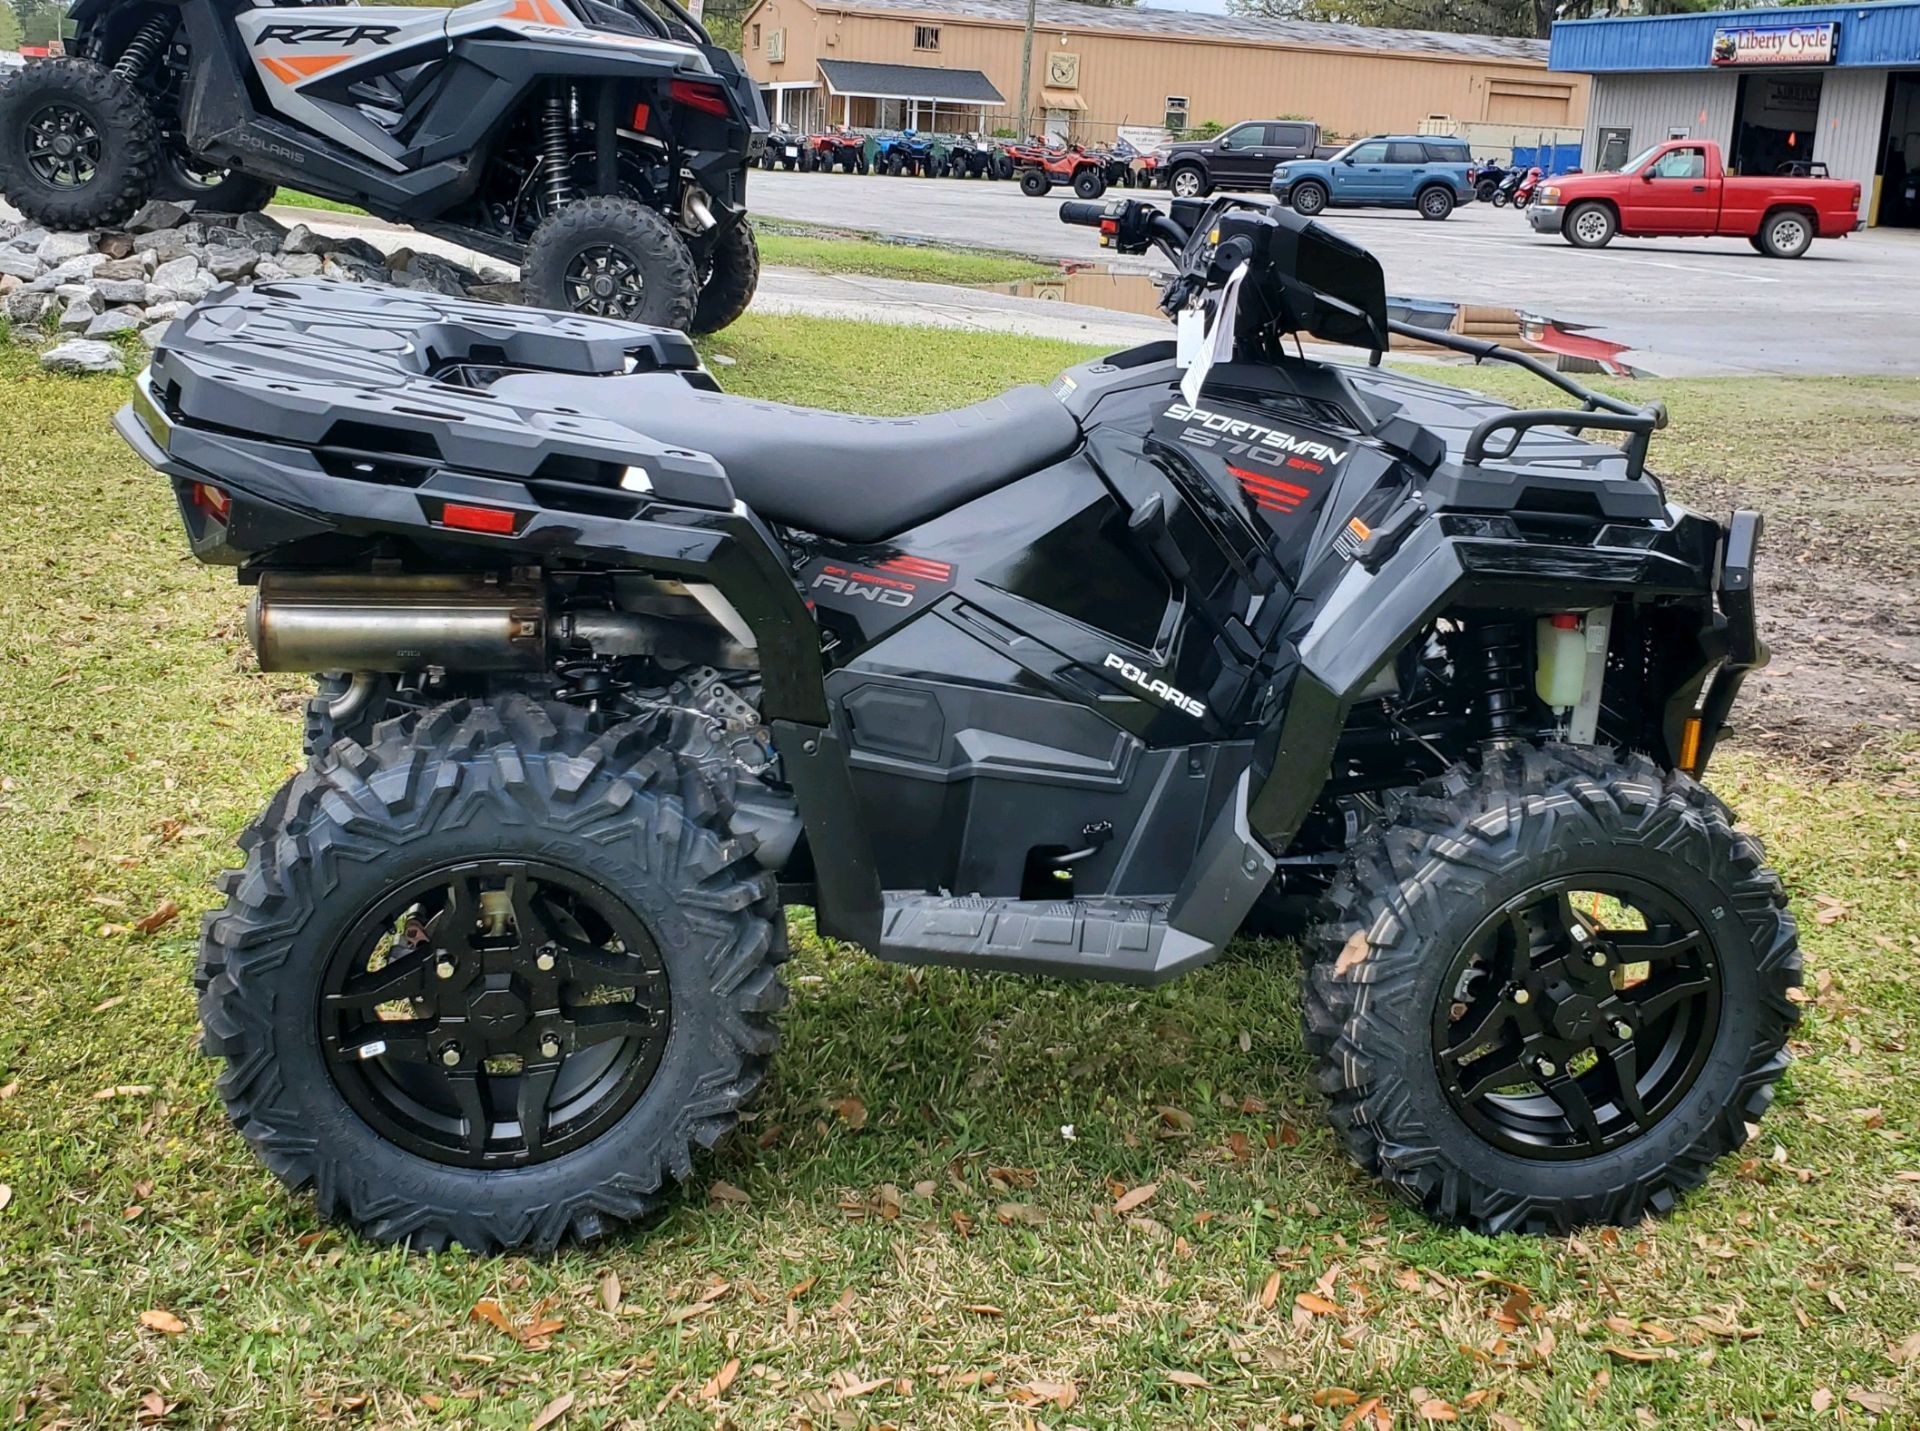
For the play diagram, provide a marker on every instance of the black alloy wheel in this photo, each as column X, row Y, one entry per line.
column 494, row 1014
column 605, row 280
column 1577, row 1017
column 78, row 145
column 613, row 258
column 61, row 146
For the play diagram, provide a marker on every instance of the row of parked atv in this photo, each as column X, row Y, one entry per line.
column 1037, row 163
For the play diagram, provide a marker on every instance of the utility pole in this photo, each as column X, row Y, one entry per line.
column 1026, row 71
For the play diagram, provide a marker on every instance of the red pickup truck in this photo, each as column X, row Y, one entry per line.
column 1679, row 189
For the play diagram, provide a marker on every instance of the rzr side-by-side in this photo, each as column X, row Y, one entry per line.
column 600, row 144
column 1073, row 683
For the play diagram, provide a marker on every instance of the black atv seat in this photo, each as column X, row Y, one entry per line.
column 855, row 479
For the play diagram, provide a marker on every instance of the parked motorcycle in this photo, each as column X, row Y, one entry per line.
column 1524, row 191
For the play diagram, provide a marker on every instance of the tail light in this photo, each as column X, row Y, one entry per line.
column 211, row 500
column 708, row 99
column 641, row 113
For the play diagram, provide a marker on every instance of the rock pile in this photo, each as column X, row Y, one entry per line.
column 95, row 286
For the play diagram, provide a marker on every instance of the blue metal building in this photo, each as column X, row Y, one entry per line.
column 1833, row 85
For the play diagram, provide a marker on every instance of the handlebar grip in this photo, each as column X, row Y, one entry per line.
column 1083, row 212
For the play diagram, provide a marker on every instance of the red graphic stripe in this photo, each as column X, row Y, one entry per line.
column 918, row 566
column 1273, row 484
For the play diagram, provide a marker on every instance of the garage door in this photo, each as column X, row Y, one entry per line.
column 1511, row 103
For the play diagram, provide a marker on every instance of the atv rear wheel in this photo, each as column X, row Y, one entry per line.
column 492, row 980
column 1089, row 184
column 183, row 178
column 78, row 145
column 1551, row 991
column 732, row 274
column 1034, row 183
column 615, row 258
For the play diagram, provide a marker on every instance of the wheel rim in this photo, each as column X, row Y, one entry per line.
column 1186, row 184
column 1436, row 203
column 495, row 1013
column 1307, row 201
column 605, row 280
column 1789, row 234
column 1591, row 227
column 61, row 146
column 195, row 173
column 1561, row 1032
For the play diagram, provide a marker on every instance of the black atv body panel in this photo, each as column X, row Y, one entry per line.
column 1068, row 710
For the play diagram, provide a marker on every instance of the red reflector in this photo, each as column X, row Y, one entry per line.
column 212, row 501
column 477, row 519
column 698, row 96
column 1564, row 621
column 641, row 113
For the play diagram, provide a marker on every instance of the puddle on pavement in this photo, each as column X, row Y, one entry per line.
column 1570, row 347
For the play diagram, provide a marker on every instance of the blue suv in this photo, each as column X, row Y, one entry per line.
column 1388, row 171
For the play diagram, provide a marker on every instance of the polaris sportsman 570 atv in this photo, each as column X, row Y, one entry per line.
column 1070, row 682
column 600, row 144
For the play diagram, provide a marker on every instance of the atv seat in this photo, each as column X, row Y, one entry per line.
column 855, row 479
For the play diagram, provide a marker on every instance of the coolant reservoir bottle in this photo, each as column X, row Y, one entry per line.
column 1560, row 670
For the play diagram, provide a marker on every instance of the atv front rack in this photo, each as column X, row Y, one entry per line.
column 1597, row 410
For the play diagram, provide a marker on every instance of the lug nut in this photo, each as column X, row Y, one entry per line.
column 549, row 1047
column 1598, row 959
column 1547, row 1067
column 444, row 968
column 543, row 961
column 450, row 1055
column 1622, row 1029
column 1522, row 996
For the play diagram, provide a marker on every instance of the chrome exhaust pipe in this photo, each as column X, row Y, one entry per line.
column 353, row 622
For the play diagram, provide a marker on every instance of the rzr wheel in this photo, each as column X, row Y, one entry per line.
column 732, row 274
column 183, row 178
column 1550, row 992
column 1188, row 182
column 1089, row 184
column 78, row 145
column 492, row 980
column 1435, row 203
column 615, row 258
column 1308, row 198
column 1786, row 235
column 1034, row 183
column 1589, row 225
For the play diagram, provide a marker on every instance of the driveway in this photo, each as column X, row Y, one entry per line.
column 1679, row 308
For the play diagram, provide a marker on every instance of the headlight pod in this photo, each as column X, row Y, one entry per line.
column 1280, row 171
column 1549, row 195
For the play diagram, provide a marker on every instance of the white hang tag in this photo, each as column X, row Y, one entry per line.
column 1219, row 345
column 1190, row 335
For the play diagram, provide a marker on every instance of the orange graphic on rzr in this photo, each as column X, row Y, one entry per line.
column 538, row 12
column 291, row 69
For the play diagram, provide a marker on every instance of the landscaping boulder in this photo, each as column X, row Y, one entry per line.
column 116, row 320
column 304, row 240
column 81, row 355
column 157, row 214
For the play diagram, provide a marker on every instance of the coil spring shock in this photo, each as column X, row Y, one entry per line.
column 555, row 146
column 1503, row 665
column 145, row 47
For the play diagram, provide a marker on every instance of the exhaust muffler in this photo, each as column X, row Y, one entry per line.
column 356, row 622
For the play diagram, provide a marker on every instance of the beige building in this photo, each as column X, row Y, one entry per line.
column 954, row 65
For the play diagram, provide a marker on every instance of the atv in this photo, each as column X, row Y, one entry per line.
column 972, row 156
column 1043, row 164
column 600, row 144
column 837, row 147
column 787, row 149
column 1073, row 682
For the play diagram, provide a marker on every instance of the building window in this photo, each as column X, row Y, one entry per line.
column 1615, row 147
column 926, row 37
column 1176, row 117
column 756, row 37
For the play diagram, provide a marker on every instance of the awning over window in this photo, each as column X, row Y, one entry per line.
column 1062, row 99
column 865, row 79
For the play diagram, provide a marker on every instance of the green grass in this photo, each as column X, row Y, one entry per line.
column 294, row 198
column 135, row 739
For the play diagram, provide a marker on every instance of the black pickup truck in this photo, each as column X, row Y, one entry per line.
column 1241, row 157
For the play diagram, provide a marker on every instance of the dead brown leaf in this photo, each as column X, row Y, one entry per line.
column 1270, row 1293
column 848, row 1387
column 1062, row 1394
column 1878, row 1402
column 852, row 1112
column 983, row 1309
column 159, row 1319
column 159, row 919
column 1360, row 1413
column 1353, row 954
column 1906, row 1351
column 1021, row 1212
column 1187, row 1378
column 551, row 1412
column 105, row 1004
column 494, row 1315
column 610, row 1292
column 1822, row 1398
column 722, row 1379
column 6, row 1196
column 722, row 1191
column 1434, row 1409
column 1138, row 1197
column 1316, row 1304
column 1640, row 1354
column 1335, row 1396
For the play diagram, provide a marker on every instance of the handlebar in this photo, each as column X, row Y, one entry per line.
column 1086, row 213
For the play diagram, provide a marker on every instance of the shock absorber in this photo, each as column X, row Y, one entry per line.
column 556, row 156
column 145, row 47
column 1503, row 670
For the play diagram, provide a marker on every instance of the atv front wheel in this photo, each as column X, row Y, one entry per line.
column 78, row 145
column 492, row 980
column 1552, row 991
column 1034, row 183
column 732, row 274
column 1089, row 184
column 183, row 178
column 615, row 258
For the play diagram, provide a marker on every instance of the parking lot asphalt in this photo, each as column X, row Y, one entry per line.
column 1676, row 307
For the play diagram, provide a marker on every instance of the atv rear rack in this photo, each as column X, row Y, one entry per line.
column 1597, row 409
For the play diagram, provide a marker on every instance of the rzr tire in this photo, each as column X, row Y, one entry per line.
column 1787, row 234
column 644, row 831
column 1089, row 184
column 1034, row 183
column 733, row 272
column 124, row 146
column 1435, row 202
column 1449, row 863
column 182, row 181
column 1189, row 181
column 640, row 238
column 1309, row 197
column 1589, row 225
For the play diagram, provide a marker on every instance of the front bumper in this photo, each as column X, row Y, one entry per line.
column 1546, row 218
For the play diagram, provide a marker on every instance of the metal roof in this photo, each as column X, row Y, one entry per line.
column 1886, row 32
column 1063, row 15
column 864, row 77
